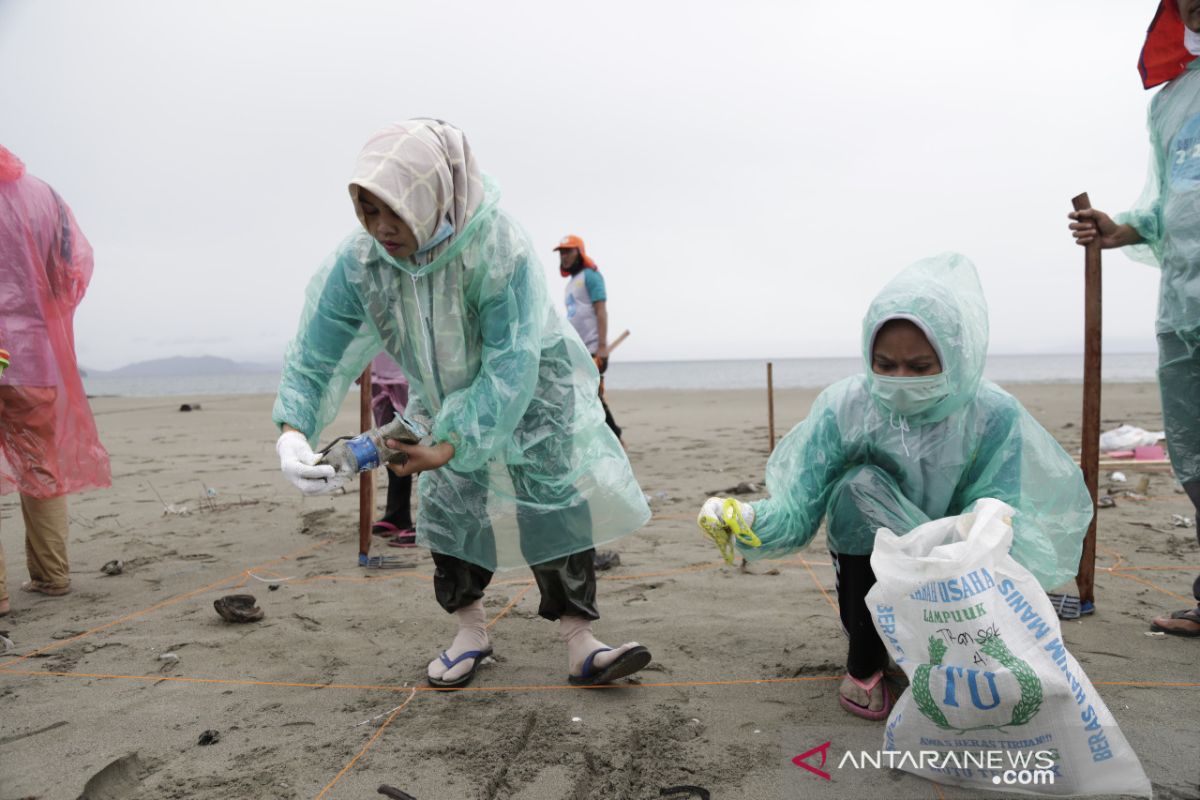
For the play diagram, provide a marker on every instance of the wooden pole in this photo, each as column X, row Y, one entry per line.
column 366, row 491
column 617, row 342
column 770, row 408
column 1089, row 459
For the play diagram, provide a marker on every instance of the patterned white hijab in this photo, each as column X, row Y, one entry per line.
column 425, row 171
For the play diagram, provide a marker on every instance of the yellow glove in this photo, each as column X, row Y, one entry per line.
column 724, row 520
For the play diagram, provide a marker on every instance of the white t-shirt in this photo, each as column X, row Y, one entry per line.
column 583, row 289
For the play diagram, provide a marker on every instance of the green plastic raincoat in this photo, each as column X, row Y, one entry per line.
column 977, row 442
column 1168, row 218
column 536, row 473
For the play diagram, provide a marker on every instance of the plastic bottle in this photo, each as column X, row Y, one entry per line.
column 368, row 450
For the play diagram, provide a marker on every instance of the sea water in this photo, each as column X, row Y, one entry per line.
column 788, row 373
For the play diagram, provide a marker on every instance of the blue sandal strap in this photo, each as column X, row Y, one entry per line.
column 476, row 654
column 587, row 662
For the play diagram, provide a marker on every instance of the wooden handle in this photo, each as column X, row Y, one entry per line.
column 366, row 490
column 770, row 408
column 618, row 341
column 1089, row 460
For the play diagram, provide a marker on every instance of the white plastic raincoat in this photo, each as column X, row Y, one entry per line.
column 536, row 473
column 977, row 442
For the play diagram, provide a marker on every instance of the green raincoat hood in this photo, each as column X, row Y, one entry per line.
column 942, row 296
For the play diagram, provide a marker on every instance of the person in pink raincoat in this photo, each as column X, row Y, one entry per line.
column 49, row 447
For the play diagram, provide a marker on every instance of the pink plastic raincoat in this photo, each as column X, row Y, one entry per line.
column 48, row 440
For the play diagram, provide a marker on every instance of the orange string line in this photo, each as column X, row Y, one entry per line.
column 1108, row 551
column 497, row 689
column 1152, row 586
column 1152, row 569
column 1151, row 684
column 828, row 599
column 511, row 605
column 163, row 604
column 366, row 746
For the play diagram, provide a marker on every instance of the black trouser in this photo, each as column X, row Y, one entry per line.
column 864, row 500
column 854, row 578
column 399, row 501
column 546, row 512
column 567, row 584
column 608, row 417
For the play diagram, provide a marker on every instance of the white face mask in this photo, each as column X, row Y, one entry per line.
column 444, row 232
column 909, row 396
column 1191, row 40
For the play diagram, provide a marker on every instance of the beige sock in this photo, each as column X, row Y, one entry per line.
column 577, row 633
column 472, row 635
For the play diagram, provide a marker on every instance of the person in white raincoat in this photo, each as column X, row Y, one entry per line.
column 521, row 468
column 920, row 435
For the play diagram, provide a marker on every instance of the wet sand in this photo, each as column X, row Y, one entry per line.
column 317, row 699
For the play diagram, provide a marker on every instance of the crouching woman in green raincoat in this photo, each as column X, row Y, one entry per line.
column 921, row 435
column 520, row 468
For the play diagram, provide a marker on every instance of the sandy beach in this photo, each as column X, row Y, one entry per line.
column 324, row 697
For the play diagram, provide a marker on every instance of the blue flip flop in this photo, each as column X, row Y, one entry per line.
column 1068, row 606
column 629, row 662
column 466, row 678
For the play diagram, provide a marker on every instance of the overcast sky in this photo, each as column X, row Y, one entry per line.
column 747, row 175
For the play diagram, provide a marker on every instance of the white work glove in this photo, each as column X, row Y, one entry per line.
column 724, row 520
column 296, row 459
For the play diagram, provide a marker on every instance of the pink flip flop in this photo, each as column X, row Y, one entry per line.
column 405, row 538
column 868, row 686
column 383, row 528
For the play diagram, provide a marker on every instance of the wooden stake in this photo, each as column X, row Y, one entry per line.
column 1090, row 456
column 366, row 491
column 770, row 408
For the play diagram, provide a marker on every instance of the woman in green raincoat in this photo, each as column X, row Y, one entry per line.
column 520, row 467
column 921, row 435
column 1163, row 230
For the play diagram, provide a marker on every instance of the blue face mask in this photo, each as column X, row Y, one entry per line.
column 910, row 396
column 444, row 232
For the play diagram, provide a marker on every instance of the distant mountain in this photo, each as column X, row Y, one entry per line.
column 183, row 366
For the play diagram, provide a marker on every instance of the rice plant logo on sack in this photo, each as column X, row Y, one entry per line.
column 943, row 693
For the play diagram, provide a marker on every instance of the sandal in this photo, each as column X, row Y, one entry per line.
column 1180, row 623
column 868, row 686
column 629, row 662
column 1068, row 606
column 238, row 608
column 384, row 528
column 404, row 538
column 462, row 680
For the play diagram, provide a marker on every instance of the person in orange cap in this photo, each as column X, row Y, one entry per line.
column 587, row 309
